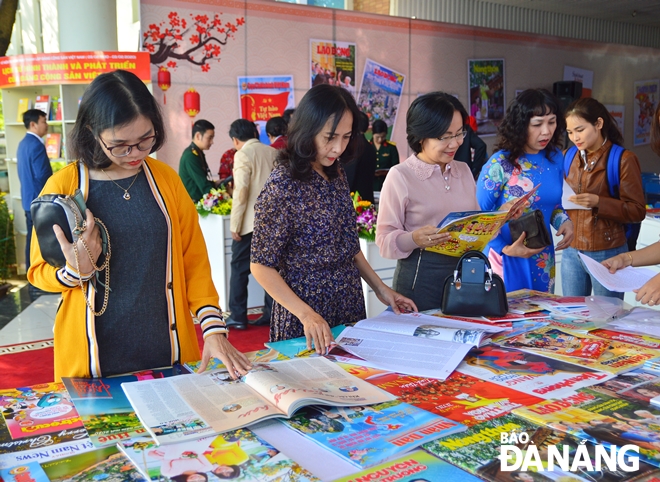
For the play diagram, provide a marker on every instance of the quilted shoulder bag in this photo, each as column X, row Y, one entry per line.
column 473, row 289
column 68, row 212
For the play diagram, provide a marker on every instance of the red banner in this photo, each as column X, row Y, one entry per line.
column 261, row 107
column 69, row 67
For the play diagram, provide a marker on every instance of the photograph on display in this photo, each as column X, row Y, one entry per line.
column 584, row 76
column 333, row 63
column 646, row 98
column 380, row 93
column 263, row 97
column 618, row 114
column 486, row 94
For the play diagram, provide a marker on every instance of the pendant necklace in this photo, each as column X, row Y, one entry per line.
column 126, row 195
column 445, row 176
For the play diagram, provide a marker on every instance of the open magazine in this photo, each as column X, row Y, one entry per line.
column 473, row 230
column 189, row 407
column 414, row 344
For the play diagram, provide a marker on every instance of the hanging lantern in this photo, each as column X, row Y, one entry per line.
column 164, row 81
column 191, row 102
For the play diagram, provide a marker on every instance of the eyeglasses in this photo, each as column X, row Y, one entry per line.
column 124, row 150
column 448, row 139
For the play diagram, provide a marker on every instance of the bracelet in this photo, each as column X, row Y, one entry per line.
column 631, row 258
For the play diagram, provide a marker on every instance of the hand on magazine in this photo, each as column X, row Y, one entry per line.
column 519, row 250
column 428, row 236
column 317, row 332
column 218, row 346
column 565, row 230
column 399, row 303
column 518, row 211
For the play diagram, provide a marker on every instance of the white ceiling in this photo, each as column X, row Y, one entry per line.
column 639, row 12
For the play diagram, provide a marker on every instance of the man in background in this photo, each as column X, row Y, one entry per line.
column 365, row 163
column 33, row 167
column 193, row 169
column 387, row 155
column 276, row 128
column 253, row 163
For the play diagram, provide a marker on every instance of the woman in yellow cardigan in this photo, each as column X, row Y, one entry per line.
column 161, row 275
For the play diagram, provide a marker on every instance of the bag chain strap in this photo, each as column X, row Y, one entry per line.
column 80, row 228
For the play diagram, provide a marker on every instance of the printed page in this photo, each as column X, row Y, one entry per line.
column 626, row 279
column 470, row 233
column 567, row 191
column 409, row 355
column 446, row 321
column 292, row 384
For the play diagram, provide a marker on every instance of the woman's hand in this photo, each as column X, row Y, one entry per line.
column 566, row 230
column 618, row 262
column 428, row 236
column 317, row 332
column 519, row 250
column 585, row 199
column 398, row 302
column 218, row 346
column 92, row 237
column 649, row 294
column 515, row 214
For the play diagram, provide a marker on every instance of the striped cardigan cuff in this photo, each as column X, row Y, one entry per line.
column 68, row 276
column 211, row 322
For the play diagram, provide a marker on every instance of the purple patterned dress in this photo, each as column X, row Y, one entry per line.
column 307, row 231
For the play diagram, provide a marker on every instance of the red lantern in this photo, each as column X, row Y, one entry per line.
column 191, row 102
column 164, row 81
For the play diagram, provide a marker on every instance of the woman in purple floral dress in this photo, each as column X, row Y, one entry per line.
column 305, row 249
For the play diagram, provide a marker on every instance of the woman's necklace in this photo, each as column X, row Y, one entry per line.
column 445, row 176
column 126, row 195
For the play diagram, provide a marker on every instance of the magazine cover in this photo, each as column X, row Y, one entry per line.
column 460, row 397
column 366, row 436
column 266, row 355
column 297, row 347
column 38, row 410
column 624, row 381
column 470, row 230
column 238, row 455
column 553, row 340
column 528, row 372
column 105, row 411
column 632, row 338
column 106, row 464
column 28, row 472
column 417, row 466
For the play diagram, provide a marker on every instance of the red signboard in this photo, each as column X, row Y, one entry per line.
column 69, row 67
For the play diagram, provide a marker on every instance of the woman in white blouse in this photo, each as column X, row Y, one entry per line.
column 419, row 193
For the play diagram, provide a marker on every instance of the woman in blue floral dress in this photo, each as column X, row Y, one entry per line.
column 305, row 248
column 527, row 154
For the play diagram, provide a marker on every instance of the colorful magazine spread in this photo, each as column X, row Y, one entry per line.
column 189, row 407
column 38, row 410
column 27, row 472
column 105, row 411
column 266, row 355
column 107, row 464
column 555, row 341
column 632, row 338
column 238, row 455
column 297, row 347
column 366, row 436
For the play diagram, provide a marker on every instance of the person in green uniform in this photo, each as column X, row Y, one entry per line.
column 387, row 155
column 193, row 169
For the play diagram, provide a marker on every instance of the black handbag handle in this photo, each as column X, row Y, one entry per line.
column 473, row 254
column 488, row 281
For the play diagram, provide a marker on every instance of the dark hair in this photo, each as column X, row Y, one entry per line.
column 243, row 130
column 590, row 110
column 515, row 125
column 287, row 115
column 236, row 471
column 202, row 126
column 459, row 107
column 320, row 103
column 429, row 116
column 363, row 123
column 379, row 127
column 276, row 126
column 112, row 100
column 184, row 477
column 32, row 115
column 655, row 131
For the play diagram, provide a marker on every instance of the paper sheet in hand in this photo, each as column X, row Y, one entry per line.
column 626, row 279
column 567, row 191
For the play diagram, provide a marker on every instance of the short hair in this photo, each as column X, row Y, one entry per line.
column 287, row 115
column 459, row 107
column 655, row 131
column 379, row 127
column 276, row 126
column 243, row 130
column 363, row 122
column 112, row 100
column 515, row 125
column 321, row 103
column 429, row 116
column 201, row 126
column 32, row 115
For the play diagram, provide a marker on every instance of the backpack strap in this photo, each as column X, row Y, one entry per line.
column 613, row 170
column 568, row 159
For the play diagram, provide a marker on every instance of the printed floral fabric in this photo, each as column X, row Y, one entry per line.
column 500, row 181
column 308, row 232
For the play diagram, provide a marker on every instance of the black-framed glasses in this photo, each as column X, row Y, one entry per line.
column 124, row 150
column 447, row 139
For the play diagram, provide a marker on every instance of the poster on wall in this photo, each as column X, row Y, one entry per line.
column 646, row 98
column 333, row 63
column 380, row 93
column 486, row 94
column 263, row 97
column 586, row 77
column 617, row 112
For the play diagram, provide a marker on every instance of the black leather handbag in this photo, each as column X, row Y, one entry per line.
column 473, row 289
column 533, row 224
